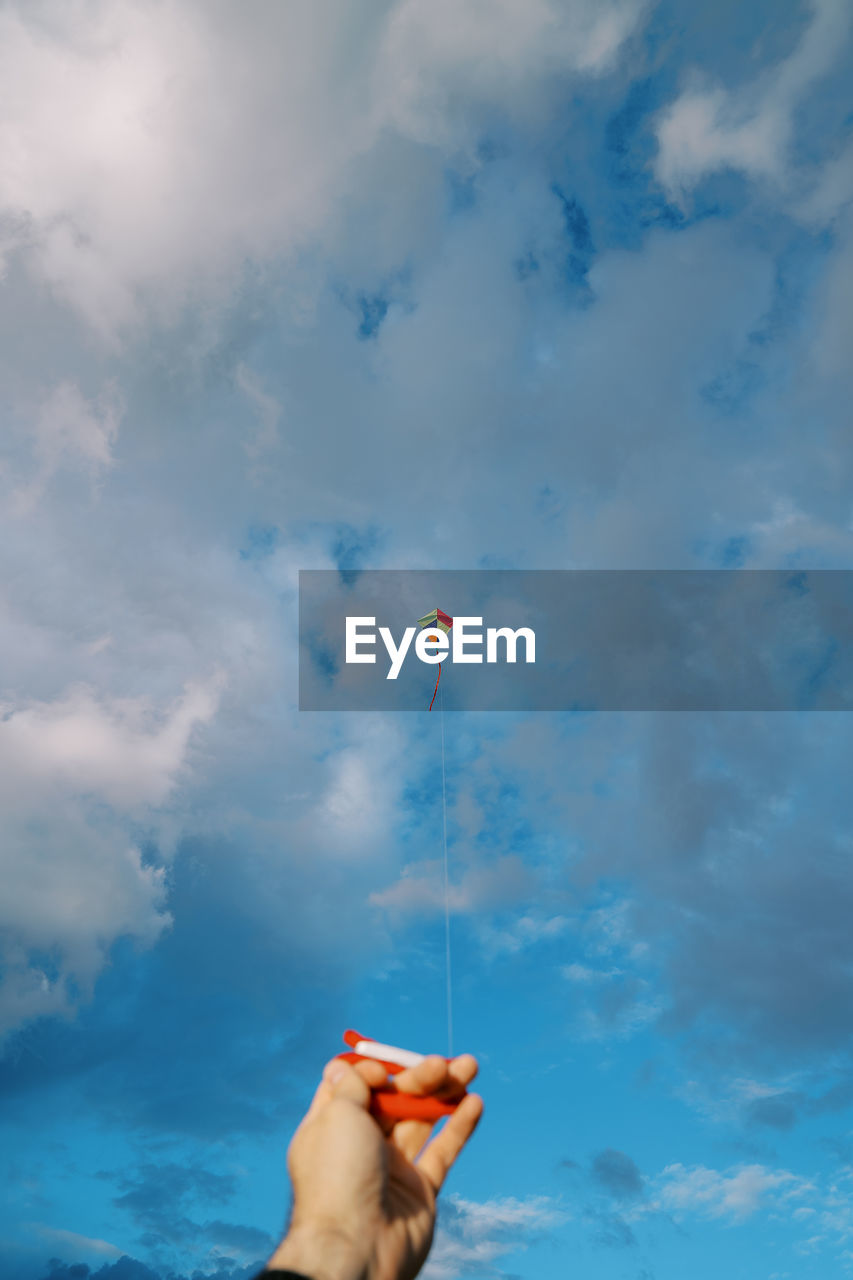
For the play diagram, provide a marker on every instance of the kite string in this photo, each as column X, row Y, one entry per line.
column 446, row 881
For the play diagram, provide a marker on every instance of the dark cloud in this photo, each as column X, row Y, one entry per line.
column 127, row 1268
column 838, row 1098
column 840, row 1148
column 160, row 1199
column 168, row 1203
column 219, row 966
column 617, row 1173
column 123, row 1269
column 731, row 833
column 153, row 1187
column 778, row 1111
column 611, row 1230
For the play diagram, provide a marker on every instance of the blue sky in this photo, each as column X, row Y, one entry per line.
column 553, row 284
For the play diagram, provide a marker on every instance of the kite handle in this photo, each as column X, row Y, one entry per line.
column 393, row 1104
column 388, row 1103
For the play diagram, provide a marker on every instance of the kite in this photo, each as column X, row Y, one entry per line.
column 444, row 622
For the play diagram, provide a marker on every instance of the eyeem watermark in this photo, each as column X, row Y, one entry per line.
column 464, row 644
column 577, row 640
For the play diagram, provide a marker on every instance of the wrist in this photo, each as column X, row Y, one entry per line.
column 320, row 1252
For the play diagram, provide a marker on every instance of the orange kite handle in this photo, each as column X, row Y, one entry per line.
column 394, row 1104
column 386, row 1104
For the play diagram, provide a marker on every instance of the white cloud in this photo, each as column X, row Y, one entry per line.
column 353, row 809
column 124, row 751
column 73, row 886
column 71, row 773
column 709, row 128
column 473, row 1234
column 482, row 1218
column 736, row 1194
column 70, row 431
column 420, row 889
column 526, row 931
column 82, row 1246
column 267, row 409
column 137, row 138
column 442, row 61
column 150, row 149
column 832, row 191
column 730, row 1100
column 787, row 528
column 582, row 974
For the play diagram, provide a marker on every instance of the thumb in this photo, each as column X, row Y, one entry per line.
column 348, row 1083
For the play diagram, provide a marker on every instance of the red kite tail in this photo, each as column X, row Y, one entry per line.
column 435, row 690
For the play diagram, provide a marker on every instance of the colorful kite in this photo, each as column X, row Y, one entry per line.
column 444, row 622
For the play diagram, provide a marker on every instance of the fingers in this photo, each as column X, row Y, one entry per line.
column 408, row 1136
column 434, row 1077
column 338, row 1081
column 438, row 1157
column 372, row 1073
column 462, row 1070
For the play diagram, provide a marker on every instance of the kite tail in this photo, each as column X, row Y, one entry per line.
column 435, row 690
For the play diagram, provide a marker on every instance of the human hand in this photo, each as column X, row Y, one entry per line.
column 364, row 1192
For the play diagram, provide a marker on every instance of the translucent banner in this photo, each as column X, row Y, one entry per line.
column 560, row 640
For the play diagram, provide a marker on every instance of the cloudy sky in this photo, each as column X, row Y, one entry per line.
column 524, row 284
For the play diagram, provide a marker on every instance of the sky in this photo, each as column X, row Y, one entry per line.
column 527, row 284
